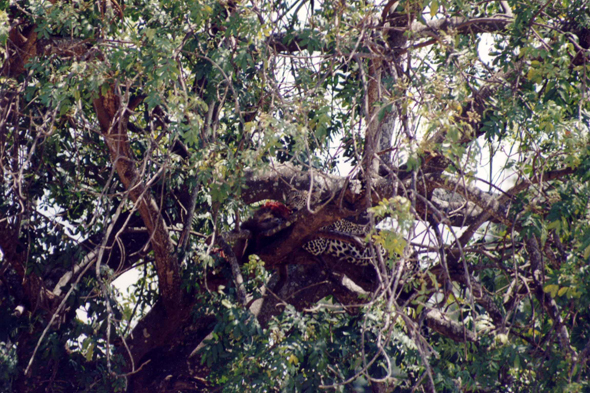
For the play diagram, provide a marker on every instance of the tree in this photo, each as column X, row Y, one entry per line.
column 141, row 135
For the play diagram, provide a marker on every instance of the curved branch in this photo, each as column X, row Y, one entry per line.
column 112, row 118
column 545, row 299
column 496, row 23
column 500, row 206
column 442, row 324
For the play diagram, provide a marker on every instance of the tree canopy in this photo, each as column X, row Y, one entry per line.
column 143, row 134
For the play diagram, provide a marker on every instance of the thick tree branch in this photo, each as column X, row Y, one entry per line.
column 442, row 324
column 492, row 24
column 36, row 294
column 545, row 299
column 113, row 123
column 501, row 206
column 292, row 42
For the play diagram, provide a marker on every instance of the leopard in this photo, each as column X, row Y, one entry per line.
column 343, row 251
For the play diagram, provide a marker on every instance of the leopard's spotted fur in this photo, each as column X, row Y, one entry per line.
column 342, row 250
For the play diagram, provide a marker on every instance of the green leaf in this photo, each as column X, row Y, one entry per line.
column 551, row 289
column 562, row 291
column 433, row 8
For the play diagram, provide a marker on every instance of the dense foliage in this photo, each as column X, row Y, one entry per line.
column 138, row 136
